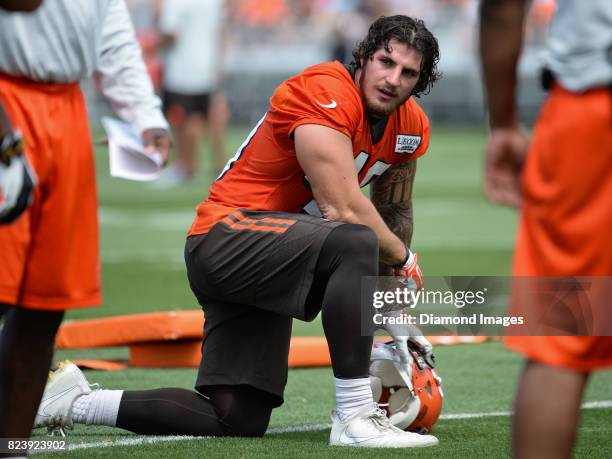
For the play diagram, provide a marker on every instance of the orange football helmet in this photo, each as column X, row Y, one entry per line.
column 412, row 397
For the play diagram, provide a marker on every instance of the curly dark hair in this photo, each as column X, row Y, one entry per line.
column 406, row 30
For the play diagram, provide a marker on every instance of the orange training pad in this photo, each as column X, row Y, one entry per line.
column 308, row 351
column 178, row 354
column 173, row 340
column 133, row 328
column 182, row 325
column 312, row 351
column 304, row 352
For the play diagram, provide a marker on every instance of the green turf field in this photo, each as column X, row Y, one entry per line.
column 456, row 233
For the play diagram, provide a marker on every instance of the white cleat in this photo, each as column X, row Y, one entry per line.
column 371, row 428
column 63, row 387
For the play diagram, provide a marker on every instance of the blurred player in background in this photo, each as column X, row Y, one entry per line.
column 351, row 22
column 259, row 254
column 50, row 256
column 563, row 185
column 145, row 15
column 193, row 38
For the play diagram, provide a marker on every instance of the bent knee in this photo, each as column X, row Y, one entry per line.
column 252, row 426
column 355, row 239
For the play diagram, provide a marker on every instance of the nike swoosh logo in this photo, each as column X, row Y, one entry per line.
column 346, row 439
column 49, row 401
column 332, row 104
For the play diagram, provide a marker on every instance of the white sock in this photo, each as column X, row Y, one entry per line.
column 99, row 407
column 352, row 395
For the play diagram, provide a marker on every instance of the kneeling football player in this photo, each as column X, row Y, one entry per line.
column 287, row 233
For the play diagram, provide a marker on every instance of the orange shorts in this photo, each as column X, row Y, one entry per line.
column 566, row 216
column 50, row 255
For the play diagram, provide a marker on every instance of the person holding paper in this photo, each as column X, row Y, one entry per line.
column 50, row 256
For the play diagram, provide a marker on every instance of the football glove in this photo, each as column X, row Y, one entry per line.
column 17, row 183
column 409, row 272
column 405, row 335
column 408, row 337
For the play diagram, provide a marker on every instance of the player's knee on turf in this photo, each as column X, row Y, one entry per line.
column 243, row 411
column 241, row 421
column 247, row 427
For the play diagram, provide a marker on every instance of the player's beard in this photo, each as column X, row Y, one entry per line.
column 379, row 110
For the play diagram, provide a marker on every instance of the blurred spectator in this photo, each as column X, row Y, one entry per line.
column 539, row 18
column 272, row 39
column 192, row 36
column 144, row 14
column 352, row 20
column 260, row 13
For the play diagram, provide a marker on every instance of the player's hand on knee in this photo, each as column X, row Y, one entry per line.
column 17, row 178
column 409, row 272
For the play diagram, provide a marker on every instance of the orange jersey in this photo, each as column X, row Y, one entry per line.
column 265, row 174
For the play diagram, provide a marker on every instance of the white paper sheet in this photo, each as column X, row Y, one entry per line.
column 126, row 155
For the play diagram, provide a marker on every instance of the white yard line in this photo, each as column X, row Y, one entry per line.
column 302, row 428
column 138, row 441
column 603, row 404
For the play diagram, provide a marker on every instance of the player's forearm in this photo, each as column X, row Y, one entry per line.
column 360, row 210
column 397, row 216
column 392, row 249
column 391, row 194
column 501, row 37
column 398, row 219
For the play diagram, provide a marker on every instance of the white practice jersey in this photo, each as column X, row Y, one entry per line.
column 191, row 65
column 580, row 44
column 64, row 41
